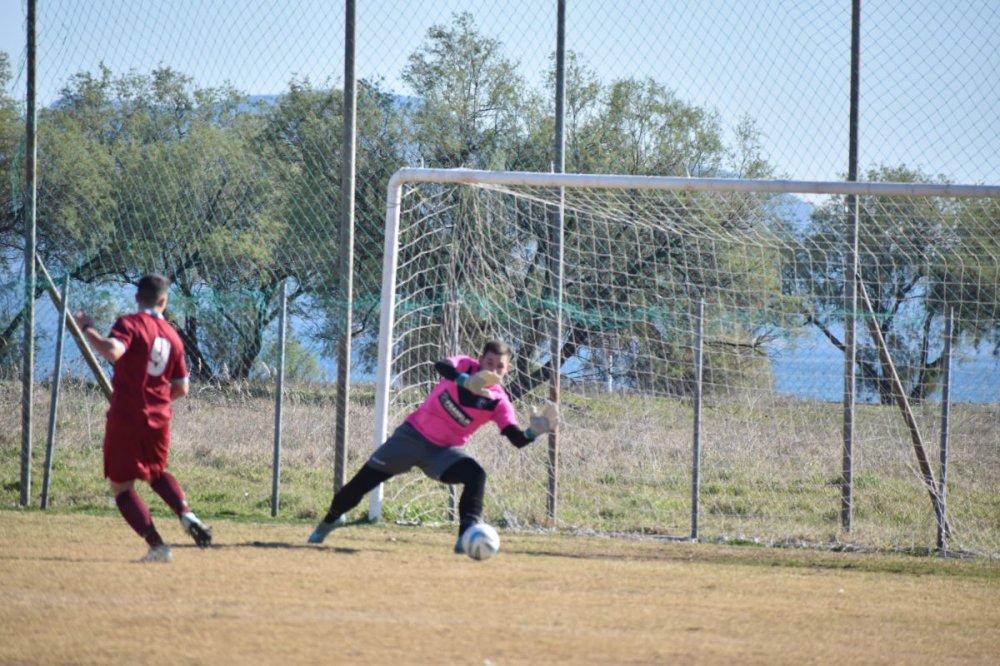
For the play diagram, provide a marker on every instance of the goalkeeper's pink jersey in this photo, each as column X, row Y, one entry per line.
column 447, row 419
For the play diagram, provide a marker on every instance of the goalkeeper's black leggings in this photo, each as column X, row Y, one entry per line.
column 466, row 472
column 473, row 479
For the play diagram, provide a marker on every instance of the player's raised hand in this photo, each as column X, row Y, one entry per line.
column 545, row 419
column 478, row 382
column 83, row 320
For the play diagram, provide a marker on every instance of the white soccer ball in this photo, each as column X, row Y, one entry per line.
column 480, row 542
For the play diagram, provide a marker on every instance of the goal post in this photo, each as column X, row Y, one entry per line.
column 466, row 260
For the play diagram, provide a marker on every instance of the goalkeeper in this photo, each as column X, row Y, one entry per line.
column 433, row 437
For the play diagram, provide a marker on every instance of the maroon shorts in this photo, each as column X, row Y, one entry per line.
column 134, row 451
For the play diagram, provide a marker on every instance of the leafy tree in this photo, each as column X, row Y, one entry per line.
column 232, row 198
column 917, row 256
column 11, row 147
column 150, row 173
column 469, row 97
column 470, row 115
column 300, row 363
column 967, row 279
column 304, row 133
column 645, row 129
column 11, row 221
column 640, row 127
column 227, row 197
column 466, row 114
column 220, row 244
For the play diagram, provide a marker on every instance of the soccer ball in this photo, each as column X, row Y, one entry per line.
column 480, row 542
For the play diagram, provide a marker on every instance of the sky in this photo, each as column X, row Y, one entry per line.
column 931, row 87
column 11, row 27
column 931, row 92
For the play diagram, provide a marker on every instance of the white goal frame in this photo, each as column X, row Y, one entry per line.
column 409, row 175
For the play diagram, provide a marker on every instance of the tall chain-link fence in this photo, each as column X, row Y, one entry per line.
column 204, row 141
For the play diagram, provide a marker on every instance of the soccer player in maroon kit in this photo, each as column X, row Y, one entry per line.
column 149, row 373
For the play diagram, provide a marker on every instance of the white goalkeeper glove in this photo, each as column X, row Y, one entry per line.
column 543, row 420
column 478, row 382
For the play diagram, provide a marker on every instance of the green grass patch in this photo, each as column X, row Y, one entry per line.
column 625, row 466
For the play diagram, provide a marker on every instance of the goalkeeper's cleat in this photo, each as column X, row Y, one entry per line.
column 459, row 548
column 201, row 534
column 324, row 528
column 159, row 553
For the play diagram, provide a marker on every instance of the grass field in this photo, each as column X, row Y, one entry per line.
column 71, row 591
column 770, row 471
column 72, row 594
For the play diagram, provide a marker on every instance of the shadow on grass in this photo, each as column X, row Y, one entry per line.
column 283, row 545
column 338, row 550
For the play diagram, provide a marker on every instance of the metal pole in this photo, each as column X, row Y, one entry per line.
column 347, row 168
column 850, row 282
column 949, row 335
column 902, row 401
column 555, row 352
column 85, row 351
column 279, row 393
column 450, row 347
column 560, row 138
column 852, row 155
column 30, row 236
column 50, row 441
column 699, row 347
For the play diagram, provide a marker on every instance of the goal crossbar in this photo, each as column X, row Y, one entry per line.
column 682, row 184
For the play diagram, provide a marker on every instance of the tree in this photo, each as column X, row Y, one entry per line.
column 968, row 276
column 641, row 127
column 304, row 134
column 917, row 256
column 11, row 224
column 469, row 114
column 11, row 149
column 300, row 363
column 151, row 173
column 469, row 97
column 227, row 197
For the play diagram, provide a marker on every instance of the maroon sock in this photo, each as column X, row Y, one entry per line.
column 167, row 487
column 136, row 514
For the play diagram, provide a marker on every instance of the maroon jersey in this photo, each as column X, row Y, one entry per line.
column 153, row 360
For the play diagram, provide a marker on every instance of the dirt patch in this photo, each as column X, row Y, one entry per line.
column 72, row 593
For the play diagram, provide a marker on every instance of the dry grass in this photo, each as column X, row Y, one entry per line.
column 770, row 469
column 374, row 594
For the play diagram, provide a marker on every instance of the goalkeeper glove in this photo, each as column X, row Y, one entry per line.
column 478, row 382
column 543, row 420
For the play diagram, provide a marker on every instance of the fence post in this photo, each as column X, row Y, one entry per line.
column 50, row 441
column 949, row 335
column 30, row 275
column 451, row 311
column 346, row 239
column 696, row 448
column 850, row 282
column 279, row 393
column 557, row 247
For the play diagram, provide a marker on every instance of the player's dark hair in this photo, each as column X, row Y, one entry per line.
column 150, row 289
column 497, row 347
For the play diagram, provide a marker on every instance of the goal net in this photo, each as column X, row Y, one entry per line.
column 619, row 284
